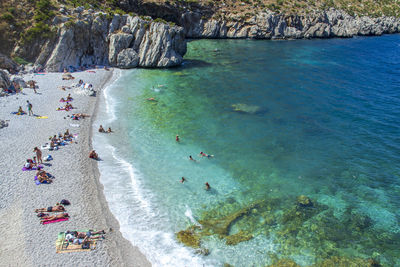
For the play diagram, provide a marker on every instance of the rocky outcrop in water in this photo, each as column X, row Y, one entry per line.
column 124, row 41
column 269, row 25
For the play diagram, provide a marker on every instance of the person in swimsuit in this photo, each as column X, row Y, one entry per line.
column 48, row 217
column 109, row 130
column 183, row 180
column 192, row 159
column 56, row 208
column 208, row 187
column 101, row 129
column 38, row 154
column 177, row 138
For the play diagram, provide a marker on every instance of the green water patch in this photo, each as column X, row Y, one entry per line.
column 299, row 227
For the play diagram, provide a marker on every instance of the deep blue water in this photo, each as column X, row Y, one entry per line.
column 318, row 118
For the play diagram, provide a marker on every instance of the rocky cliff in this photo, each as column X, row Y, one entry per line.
column 269, row 25
column 88, row 38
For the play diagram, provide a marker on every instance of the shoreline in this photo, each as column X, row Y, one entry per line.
column 26, row 242
column 127, row 251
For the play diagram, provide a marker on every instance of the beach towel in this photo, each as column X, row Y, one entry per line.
column 42, row 117
column 17, row 113
column 38, row 183
column 57, row 220
column 33, row 169
column 63, row 246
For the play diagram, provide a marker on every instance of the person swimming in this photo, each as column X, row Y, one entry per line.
column 177, row 138
column 101, row 129
column 109, row 130
column 202, row 154
column 190, row 158
column 208, row 187
column 183, row 180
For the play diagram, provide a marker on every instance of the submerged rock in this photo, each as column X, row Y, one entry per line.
column 189, row 238
column 304, row 201
column 235, row 239
column 246, row 108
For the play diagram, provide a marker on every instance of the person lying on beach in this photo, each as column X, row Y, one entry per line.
column 101, row 129
column 109, row 130
column 56, row 208
column 202, row 154
column 68, row 106
column 38, row 154
column 89, row 234
column 62, row 99
column 48, row 217
column 79, row 116
column 69, row 97
column 43, row 177
column 93, row 155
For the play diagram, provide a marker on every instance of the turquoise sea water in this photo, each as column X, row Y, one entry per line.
column 318, row 118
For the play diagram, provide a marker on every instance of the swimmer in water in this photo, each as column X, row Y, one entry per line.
column 177, row 138
column 208, row 187
column 202, row 154
column 183, row 180
column 151, row 99
column 190, row 158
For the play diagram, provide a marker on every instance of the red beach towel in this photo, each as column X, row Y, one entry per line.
column 54, row 221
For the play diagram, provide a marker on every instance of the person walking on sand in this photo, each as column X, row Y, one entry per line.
column 29, row 105
column 38, row 154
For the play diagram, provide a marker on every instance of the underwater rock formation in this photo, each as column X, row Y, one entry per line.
column 237, row 238
column 246, row 108
column 189, row 238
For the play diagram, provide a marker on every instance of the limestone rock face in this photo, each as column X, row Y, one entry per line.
column 4, row 80
column 268, row 25
column 124, row 42
column 127, row 58
column 7, row 63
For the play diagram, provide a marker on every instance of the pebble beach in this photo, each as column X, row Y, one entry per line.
column 26, row 242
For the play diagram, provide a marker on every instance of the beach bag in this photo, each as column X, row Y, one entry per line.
column 65, row 202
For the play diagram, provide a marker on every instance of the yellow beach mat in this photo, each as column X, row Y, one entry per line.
column 63, row 246
column 42, row 117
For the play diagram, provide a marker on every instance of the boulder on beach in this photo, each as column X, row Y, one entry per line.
column 3, row 124
column 67, row 76
column 4, row 81
column 19, row 80
column 250, row 109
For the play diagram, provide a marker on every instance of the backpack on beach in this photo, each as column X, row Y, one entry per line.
column 65, row 202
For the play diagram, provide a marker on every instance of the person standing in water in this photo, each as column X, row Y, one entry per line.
column 208, row 187
column 177, row 138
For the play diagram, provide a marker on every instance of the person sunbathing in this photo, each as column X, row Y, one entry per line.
column 67, row 134
column 93, row 155
column 69, row 98
column 43, row 177
column 101, row 129
column 56, row 208
column 48, row 217
column 20, row 111
column 89, row 234
column 62, row 99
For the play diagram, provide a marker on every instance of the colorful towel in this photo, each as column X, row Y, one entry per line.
column 33, row 169
column 17, row 113
column 42, row 117
column 63, row 246
column 57, row 220
column 38, row 183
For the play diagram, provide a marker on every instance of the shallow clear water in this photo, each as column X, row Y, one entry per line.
column 320, row 119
